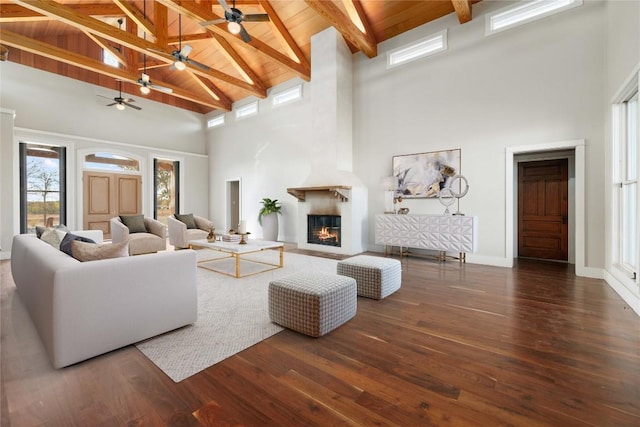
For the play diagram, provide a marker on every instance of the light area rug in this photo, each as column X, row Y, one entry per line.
column 232, row 313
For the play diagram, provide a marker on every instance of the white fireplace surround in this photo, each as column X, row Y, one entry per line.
column 352, row 208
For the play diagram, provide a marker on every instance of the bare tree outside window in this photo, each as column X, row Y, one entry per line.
column 43, row 188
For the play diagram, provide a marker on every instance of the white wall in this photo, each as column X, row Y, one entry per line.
column 269, row 153
column 539, row 83
column 56, row 110
column 623, row 64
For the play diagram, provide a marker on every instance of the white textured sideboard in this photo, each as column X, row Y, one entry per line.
column 445, row 233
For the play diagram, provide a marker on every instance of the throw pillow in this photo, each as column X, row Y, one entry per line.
column 53, row 237
column 65, row 245
column 41, row 229
column 135, row 223
column 188, row 219
column 83, row 251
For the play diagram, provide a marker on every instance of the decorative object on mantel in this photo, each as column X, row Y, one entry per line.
column 389, row 184
column 268, row 218
column 211, row 237
column 403, row 211
column 424, row 175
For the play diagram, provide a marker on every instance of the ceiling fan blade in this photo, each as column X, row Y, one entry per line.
column 161, row 88
column 197, row 64
column 245, row 36
column 214, row 22
column 135, row 107
column 113, row 103
column 225, row 6
column 256, row 17
column 186, row 50
column 128, row 100
column 105, row 97
column 145, row 78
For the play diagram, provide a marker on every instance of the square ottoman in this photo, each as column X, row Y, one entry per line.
column 312, row 303
column 377, row 277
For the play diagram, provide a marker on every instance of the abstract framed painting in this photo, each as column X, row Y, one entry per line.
column 423, row 175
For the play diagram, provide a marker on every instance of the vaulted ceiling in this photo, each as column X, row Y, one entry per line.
column 68, row 37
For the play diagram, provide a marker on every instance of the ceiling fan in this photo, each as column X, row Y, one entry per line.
column 234, row 18
column 144, row 81
column 119, row 101
column 181, row 55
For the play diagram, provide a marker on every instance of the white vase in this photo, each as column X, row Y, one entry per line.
column 270, row 227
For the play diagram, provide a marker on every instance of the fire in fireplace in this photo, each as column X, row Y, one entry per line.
column 323, row 229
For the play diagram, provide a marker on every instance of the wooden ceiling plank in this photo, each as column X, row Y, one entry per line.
column 136, row 16
column 236, row 60
column 105, row 44
column 463, row 10
column 83, row 22
column 331, row 12
column 199, row 14
column 53, row 52
column 283, row 34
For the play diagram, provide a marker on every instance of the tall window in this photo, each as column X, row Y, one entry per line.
column 166, row 186
column 42, row 186
column 626, row 144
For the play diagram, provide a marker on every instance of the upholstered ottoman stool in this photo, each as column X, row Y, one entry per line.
column 312, row 303
column 377, row 277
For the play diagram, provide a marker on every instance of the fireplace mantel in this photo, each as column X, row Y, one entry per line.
column 337, row 191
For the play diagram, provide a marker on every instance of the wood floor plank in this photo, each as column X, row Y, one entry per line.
column 457, row 345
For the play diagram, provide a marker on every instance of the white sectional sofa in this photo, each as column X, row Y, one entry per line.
column 84, row 309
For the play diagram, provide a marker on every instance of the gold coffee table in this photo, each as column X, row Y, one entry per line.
column 236, row 250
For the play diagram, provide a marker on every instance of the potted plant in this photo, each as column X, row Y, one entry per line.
column 268, row 218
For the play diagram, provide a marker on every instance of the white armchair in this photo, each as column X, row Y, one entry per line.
column 180, row 235
column 153, row 240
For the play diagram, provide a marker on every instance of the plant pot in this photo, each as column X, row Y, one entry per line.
column 270, row 227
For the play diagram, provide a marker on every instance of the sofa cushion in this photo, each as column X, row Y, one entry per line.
column 83, row 251
column 135, row 223
column 41, row 229
column 53, row 237
column 188, row 219
column 65, row 245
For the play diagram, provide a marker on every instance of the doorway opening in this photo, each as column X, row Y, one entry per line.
column 166, row 186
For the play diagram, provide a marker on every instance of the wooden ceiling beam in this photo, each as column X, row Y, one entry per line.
column 97, row 27
column 196, row 12
column 162, row 24
column 332, row 13
column 16, row 13
column 53, row 52
column 105, row 44
column 173, row 40
column 136, row 16
column 463, row 10
column 212, row 90
column 285, row 37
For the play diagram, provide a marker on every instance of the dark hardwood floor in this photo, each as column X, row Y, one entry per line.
column 460, row 345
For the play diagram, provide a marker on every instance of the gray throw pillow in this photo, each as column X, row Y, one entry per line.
column 65, row 245
column 135, row 223
column 188, row 219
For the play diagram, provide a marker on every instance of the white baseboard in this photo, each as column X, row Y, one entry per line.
column 590, row 272
column 5, row 255
column 489, row 260
column 629, row 296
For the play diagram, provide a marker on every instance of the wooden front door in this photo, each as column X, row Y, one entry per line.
column 543, row 209
column 107, row 195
